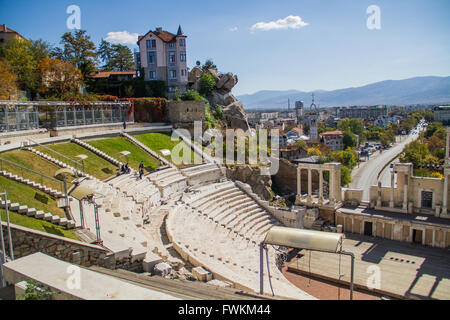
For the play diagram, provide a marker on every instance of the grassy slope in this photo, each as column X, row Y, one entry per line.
column 26, row 195
column 39, row 225
column 94, row 165
column 34, row 162
column 113, row 146
column 157, row 141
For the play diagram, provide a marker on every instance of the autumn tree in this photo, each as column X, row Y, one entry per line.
column 8, row 84
column 22, row 57
column 79, row 50
column 58, row 78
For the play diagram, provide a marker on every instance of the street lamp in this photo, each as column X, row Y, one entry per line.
column 62, row 174
column 82, row 157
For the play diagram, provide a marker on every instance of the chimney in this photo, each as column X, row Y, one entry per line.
column 159, row 29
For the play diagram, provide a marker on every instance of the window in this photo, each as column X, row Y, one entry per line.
column 151, row 57
column 151, row 44
column 172, row 58
column 183, row 56
column 183, row 72
column 152, row 75
column 172, row 45
column 182, row 42
column 173, row 74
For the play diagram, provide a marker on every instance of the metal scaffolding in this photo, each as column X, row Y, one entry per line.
column 27, row 115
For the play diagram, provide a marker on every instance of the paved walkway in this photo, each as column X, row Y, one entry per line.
column 406, row 270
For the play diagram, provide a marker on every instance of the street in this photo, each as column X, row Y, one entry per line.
column 366, row 176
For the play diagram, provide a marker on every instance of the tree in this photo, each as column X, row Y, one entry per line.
column 206, row 84
column 116, row 57
column 344, row 124
column 349, row 139
column 314, row 151
column 301, row 144
column 346, row 176
column 22, row 57
column 8, row 84
column 209, row 64
column 59, row 78
column 78, row 50
column 416, row 152
column 386, row 138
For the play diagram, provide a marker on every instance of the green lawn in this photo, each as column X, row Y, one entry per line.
column 36, row 224
column 34, row 162
column 26, row 195
column 157, row 141
column 93, row 165
column 113, row 146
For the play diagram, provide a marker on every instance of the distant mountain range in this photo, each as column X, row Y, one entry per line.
column 419, row 90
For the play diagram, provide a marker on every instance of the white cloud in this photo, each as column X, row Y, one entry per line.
column 290, row 22
column 233, row 29
column 122, row 37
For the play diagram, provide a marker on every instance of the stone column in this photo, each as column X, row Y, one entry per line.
column 331, row 187
column 379, row 195
column 445, row 193
column 391, row 201
column 320, row 184
column 405, row 194
column 309, row 184
column 299, row 181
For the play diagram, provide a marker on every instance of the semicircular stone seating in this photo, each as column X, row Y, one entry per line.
column 220, row 228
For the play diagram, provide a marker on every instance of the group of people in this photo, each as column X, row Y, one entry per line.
column 126, row 169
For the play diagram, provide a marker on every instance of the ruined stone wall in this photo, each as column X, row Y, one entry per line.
column 27, row 241
column 286, row 178
column 260, row 184
column 186, row 111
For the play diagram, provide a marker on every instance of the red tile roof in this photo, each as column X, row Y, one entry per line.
column 332, row 133
column 2, row 29
column 164, row 36
column 106, row 74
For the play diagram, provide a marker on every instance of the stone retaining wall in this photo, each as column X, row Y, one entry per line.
column 27, row 241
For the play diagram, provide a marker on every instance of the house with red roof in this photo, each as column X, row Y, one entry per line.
column 8, row 34
column 162, row 56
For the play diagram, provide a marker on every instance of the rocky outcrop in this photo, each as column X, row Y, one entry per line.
column 221, row 96
column 260, row 183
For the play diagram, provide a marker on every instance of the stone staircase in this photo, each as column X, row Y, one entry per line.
column 219, row 228
column 170, row 182
column 146, row 149
column 59, row 163
column 52, row 192
column 202, row 174
column 32, row 212
column 97, row 151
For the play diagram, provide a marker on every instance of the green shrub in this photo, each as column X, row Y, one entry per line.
column 206, row 84
column 192, row 95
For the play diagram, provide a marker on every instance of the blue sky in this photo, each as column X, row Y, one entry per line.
column 334, row 50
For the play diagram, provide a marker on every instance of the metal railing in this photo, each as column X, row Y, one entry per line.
column 32, row 175
column 77, row 164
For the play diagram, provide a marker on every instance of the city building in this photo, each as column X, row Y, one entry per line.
column 162, row 56
column 442, row 114
column 8, row 34
column 299, row 109
column 333, row 139
column 369, row 113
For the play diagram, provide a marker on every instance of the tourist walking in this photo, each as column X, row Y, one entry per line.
column 141, row 173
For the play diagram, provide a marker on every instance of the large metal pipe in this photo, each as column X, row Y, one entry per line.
column 261, row 268
column 352, row 269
